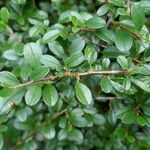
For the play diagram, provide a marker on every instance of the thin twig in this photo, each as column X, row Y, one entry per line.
column 74, row 75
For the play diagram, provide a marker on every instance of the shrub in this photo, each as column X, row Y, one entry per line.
column 74, row 74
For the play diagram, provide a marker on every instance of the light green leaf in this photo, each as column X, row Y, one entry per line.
column 8, row 78
column 32, row 54
column 33, row 95
column 126, row 83
column 83, row 93
column 105, row 63
column 95, row 23
column 39, row 72
column 90, row 54
column 98, row 119
column 102, row 10
column 75, row 59
column 1, row 141
column 11, row 55
column 50, row 95
column 50, row 61
column 123, row 62
column 62, row 134
column 137, row 14
column 123, row 41
column 51, row 36
column 141, row 84
column 117, row 86
column 4, row 14
column 106, row 85
column 56, row 49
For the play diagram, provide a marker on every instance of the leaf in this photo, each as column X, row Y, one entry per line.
column 76, row 135
column 141, row 120
column 117, row 86
column 51, row 36
column 33, row 95
column 98, row 119
column 77, row 45
column 141, row 84
column 90, row 54
column 4, row 14
column 123, row 62
column 8, row 78
column 129, row 117
column 32, row 54
column 106, row 85
column 50, row 95
column 50, row 61
column 62, row 134
column 123, row 41
column 10, row 55
column 102, row 10
column 1, row 141
column 75, row 59
column 105, row 63
column 83, row 93
column 95, row 23
column 118, row 2
column 39, row 72
column 126, row 83
column 56, row 49
column 137, row 15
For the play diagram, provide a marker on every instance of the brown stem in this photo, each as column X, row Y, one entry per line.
column 74, row 75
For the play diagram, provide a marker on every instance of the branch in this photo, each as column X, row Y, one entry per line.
column 72, row 75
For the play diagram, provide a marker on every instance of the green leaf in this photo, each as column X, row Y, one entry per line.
column 62, row 123
column 117, row 86
column 123, row 62
column 98, row 119
column 3, row 128
column 118, row 2
column 90, row 54
column 51, row 36
column 106, row 85
column 77, row 45
column 141, row 120
column 105, row 63
column 39, row 72
column 102, row 10
column 8, row 78
column 83, row 93
column 50, row 61
column 123, row 41
column 4, row 14
column 76, row 135
column 56, row 49
column 95, row 23
column 3, row 118
column 33, row 95
column 62, row 134
column 75, row 59
column 137, row 14
column 50, row 95
column 141, row 84
column 32, row 54
column 129, row 117
column 126, row 83
column 11, row 55
column 1, row 141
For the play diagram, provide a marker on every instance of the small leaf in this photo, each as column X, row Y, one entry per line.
column 126, row 83
column 62, row 134
column 33, row 95
column 117, row 86
column 51, row 36
column 8, row 78
column 123, row 62
column 50, row 95
column 83, row 93
column 141, row 120
column 106, row 85
column 39, row 72
column 4, row 14
column 77, row 45
column 56, row 49
column 137, row 14
column 105, row 63
column 50, row 61
column 129, row 117
column 32, row 54
column 75, row 59
column 90, row 54
column 141, row 84
column 123, row 41
column 102, row 10
column 98, row 119
column 11, row 55
column 95, row 23
column 1, row 141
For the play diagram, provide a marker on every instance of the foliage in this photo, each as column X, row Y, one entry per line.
column 74, row 74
